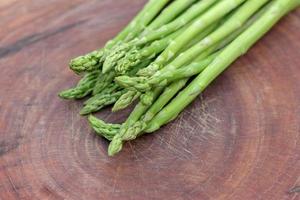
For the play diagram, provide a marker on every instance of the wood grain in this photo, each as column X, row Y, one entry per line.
column 239, row 141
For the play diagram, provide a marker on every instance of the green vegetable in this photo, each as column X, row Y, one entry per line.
column 166, row 16
column 212, row 15
column 139, row 126
column 143, row 84
column 125, row 100
column 134, row 55
column 84, row 87
column 92, row 61
column 167, row 55
column 237, row 48
column 117, row 142
column 103, row 81
column 103, row 129
column 101, row 101
column 194, row 11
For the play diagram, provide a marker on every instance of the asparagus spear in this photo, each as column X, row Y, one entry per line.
column 130, row 96
column 117, row 142
column 121, row 50
column 136, row 55
column 103, row 81
column 143, row 84
column 237, row 48
column 195, row 10
column 103, row 129
column 92, row 61
column 240, row 16
column 212, row 15
column 125, row 100
column 133, row 94
column 138, row 127
column 101, row 101
column 169, row 13
column 83, row 88
column 108, row 90
column 222, row 35
column 146, row 19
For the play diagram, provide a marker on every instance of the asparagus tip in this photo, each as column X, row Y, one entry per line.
column 85, row 111
column 115, row 146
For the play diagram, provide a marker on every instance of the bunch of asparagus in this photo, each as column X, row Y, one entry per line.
column 169, row 53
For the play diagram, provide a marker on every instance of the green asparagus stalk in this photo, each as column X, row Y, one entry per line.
column 169, row 13
column 143, row 84
column 103, row 81
column 108, row 90
column 92, row 61
column 101, row 102
column 130, row 96
column 191, row 13
column 138, row 127
column 214, row 14
column 136, row 55
column 103, row 129
column 222, row 36
column 125, row 100
column 146, row 19
column 133, row 94
column 117, row 142
column 237, row 48
column 84, row 87
column 240, row 16
column 120, row 50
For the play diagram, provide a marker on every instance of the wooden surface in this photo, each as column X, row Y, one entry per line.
column 239, row 141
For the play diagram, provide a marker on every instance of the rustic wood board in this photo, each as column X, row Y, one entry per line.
column 239, row 141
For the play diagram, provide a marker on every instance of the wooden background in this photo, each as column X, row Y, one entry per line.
column 239, row 141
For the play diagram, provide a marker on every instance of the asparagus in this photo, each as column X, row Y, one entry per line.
column 103, row 129
column 108, row 90
column 116, row 144
column 183, row 40
column 125, row 100
column 133, row 94
column 130, row 96
column 169, row 13
column 233, row 23
column 120, row 51
column 214, row 14
column 136, row 55
column 138, row 127
column 143, row 84
column 237, row 48
column 195, row 10
column 103, row 81
column 222, row 35
column 92, row 61
column 83, row 88
column 101, row 101
column 146, row 19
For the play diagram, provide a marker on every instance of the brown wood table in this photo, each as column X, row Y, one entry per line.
column 239, row 141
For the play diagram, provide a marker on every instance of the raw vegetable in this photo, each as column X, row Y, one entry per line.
column 167, row 55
